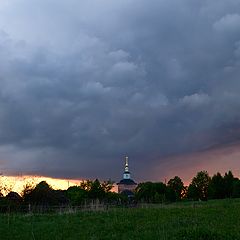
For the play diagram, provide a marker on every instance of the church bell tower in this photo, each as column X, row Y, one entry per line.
column 127, row 185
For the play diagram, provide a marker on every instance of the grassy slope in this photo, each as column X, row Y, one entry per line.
column 211, row 220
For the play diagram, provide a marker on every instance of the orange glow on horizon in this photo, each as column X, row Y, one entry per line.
column 17, row 183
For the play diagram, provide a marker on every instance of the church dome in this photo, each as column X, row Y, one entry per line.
column 127, row 182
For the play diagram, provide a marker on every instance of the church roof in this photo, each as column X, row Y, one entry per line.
column 127, row 182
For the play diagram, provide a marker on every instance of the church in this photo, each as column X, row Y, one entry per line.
column 127, row 185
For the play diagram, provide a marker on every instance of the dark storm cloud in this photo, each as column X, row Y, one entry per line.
column 84, row 82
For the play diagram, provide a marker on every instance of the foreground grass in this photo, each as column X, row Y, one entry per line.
column 218, row 220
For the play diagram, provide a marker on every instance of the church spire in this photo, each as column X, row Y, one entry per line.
column 126, row 174
column 126, row 164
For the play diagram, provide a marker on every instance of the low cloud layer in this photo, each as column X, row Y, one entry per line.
column 82, row 83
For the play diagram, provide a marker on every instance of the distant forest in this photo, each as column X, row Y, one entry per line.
column 201, row 188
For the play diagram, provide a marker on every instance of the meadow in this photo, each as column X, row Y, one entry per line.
column 218, row 219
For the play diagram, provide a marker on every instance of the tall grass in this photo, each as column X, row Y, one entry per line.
column 218, row 220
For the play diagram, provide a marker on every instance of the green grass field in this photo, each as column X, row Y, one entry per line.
column 207, row 220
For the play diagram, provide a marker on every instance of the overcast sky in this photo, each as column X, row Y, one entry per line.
column 84, row 82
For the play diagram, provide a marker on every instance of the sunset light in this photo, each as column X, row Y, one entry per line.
column 17, row 183
column 119, row 119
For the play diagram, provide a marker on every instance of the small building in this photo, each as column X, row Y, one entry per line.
column 127, row 185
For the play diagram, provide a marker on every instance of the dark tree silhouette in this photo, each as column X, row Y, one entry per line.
column 236, row 188
column 151, row 192
column 96, row 190
column 76, row 195
column 198, row 189
column 145, row 192
column 44, row 195
column 28, row 188
column 14, row 197
column 216, row 187
column 175, row 188
column 228, row 184
column 192, row 192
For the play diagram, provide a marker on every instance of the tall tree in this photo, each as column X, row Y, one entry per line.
column 145, row 192
column 42, row 194
column 176, row 186
column 200, row 184
column 192, row 192
column 216, row 187
column 151, row 192
column 236, row 188
column 228, row 184
column 96, row 191
column 76, row 195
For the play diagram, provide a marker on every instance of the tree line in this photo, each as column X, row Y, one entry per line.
column 202, row 187
column 45, row 196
